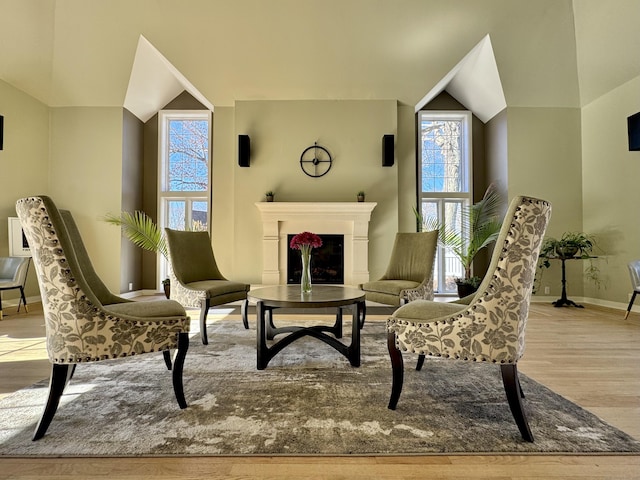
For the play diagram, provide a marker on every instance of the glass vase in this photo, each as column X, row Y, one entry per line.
column 305, row 279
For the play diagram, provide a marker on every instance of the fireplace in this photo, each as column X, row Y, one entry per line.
column 327, row 261
column 348, row 219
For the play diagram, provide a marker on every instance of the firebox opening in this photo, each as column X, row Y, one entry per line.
column 327, row 262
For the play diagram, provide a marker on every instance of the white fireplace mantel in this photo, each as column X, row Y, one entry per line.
column 351, row 219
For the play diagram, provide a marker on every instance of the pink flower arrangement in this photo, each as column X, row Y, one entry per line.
column 305, row 241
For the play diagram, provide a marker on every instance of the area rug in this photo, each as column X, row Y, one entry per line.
column 309, row 400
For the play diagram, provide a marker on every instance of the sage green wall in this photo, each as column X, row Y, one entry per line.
column 225, row 166
column 545, row 162
column 24, row 164
column 86, row 178
column 279, row 131
column 496, row 153
column 611, row 187
column 132, row 188
column 407, row 169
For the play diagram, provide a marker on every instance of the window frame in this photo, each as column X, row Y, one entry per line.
column 441, row 198
column 164, row 196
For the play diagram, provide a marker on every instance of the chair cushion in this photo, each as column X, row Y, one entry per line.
column 215, row 288
column 426, row 310
column 391, row 287
column 148, row 309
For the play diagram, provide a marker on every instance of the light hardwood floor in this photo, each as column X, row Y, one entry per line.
column 591, row 356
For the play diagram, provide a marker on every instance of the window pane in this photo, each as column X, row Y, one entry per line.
column 453, row 267
column 442, row 162
column 199, row 216
column 188, row 155
column 175, row 210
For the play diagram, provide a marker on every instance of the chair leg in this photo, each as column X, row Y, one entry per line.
column 167, row 358
column 420, row 362
column 514, row 394
column 24, row 301
column 178, row 364
column 633, row 297
column 397, row 366
column 60, row 375
column 243, row 312
column 203, row 320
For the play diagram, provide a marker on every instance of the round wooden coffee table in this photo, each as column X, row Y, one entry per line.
column 289, row 296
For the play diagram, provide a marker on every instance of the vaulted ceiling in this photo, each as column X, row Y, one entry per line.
column 563, row 53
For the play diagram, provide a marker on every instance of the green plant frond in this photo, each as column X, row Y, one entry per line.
column 484, row 211
column 141, row 230
column 447, row 237
column 486, row 234
column 483, row 220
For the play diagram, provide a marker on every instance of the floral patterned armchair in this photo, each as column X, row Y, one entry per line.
column 195, row 278
column 85, row 322
column 491, row 328
column 409, row 275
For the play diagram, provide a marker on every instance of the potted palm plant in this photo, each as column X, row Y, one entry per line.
column 482, row 221
column 140, row 229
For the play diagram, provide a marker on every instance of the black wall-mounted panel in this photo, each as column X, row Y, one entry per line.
column 387, row 151
column 244, row 150
column 633, row 128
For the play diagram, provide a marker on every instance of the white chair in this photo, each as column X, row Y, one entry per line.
column 634, row 272
column 13, row 275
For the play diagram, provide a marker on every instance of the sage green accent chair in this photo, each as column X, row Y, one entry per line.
column 196, row 280
column 634, row 273
column 84, row 321
column 409, row 273
column 491, row 328
column 13, row 276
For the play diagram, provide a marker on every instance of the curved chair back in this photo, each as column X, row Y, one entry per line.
column 412, row 256
column 66, row 298
column 192, row 258
column 78, row 328
column 101, row 291
column 492, row 327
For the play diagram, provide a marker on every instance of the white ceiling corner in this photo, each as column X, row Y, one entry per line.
column 474, row 82
column 154, row 82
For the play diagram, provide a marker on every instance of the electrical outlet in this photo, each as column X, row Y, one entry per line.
column 130, row 286
column 546, row 290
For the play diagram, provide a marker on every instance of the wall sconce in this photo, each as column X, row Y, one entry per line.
column 244, row 150
column 387, row 151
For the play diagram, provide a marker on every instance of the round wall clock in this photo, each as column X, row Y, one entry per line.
column 315, row 160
